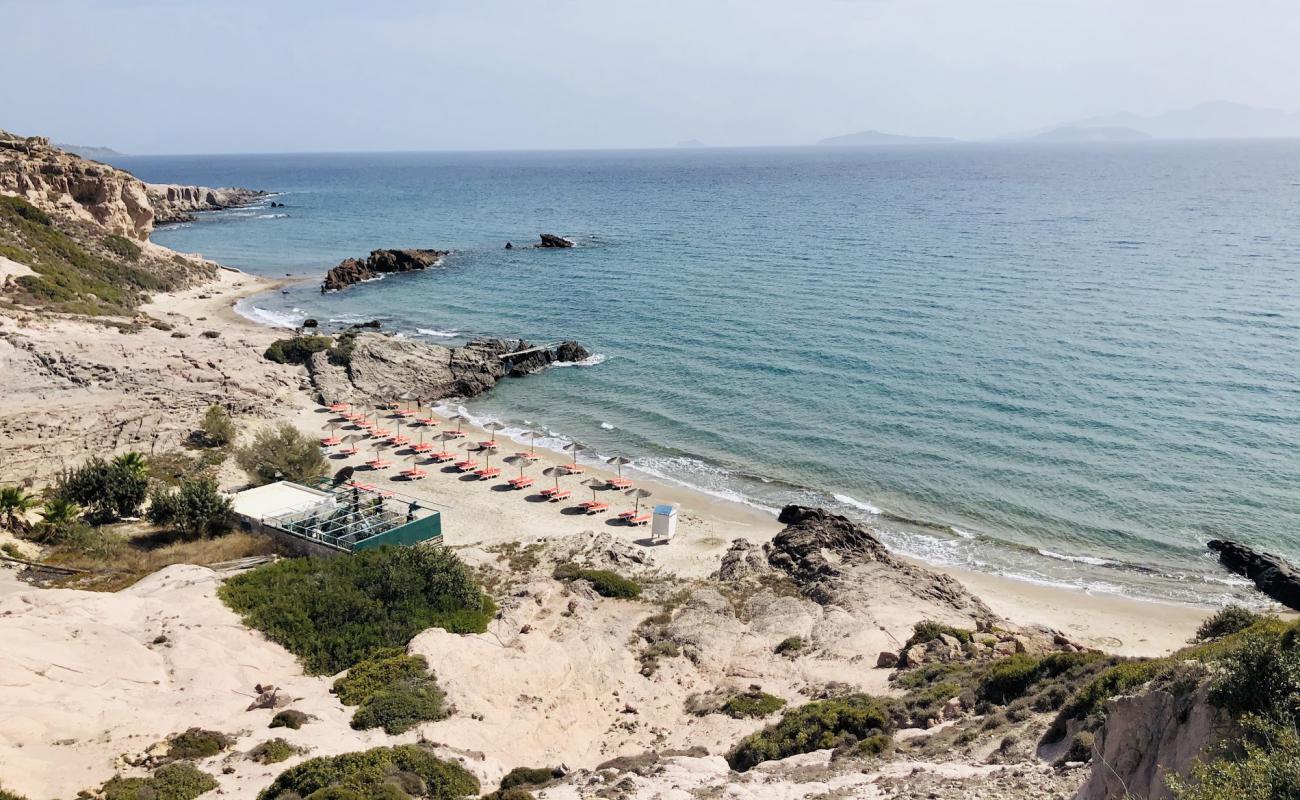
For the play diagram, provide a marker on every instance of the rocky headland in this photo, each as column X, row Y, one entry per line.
column 175, row 203
column 380, row 262
column 1272, row 574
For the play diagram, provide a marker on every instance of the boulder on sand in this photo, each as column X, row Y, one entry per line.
column 1271, row 573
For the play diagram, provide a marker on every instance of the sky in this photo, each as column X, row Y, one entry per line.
column 220, row 76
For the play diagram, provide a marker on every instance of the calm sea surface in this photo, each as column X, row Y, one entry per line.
column 1072, row 364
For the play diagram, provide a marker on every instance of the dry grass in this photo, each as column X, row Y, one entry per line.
column 143, row 554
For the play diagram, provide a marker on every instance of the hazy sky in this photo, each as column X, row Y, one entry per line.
column 201, row 76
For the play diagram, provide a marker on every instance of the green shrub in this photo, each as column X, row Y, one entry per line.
column 1227, row 620
column 1267, row 767
column 297, row 350
column 606, row 583
column 819, row 725
column 410, row 769
column 334, row 612
column 196, row 507
column 107, row 490
column 928, row 630
column 290, row 718
column 789, row 646
column 272, row 751
column 527, row 776
column 393, row 690
column 752, row 705
column 7, row 795
column 168, row 782
column 196, row 743
column 122, row 247
column 1008, row 678
column 216, row 430
column 873, row 745
column 1081, row 747
column 1260, row 676
column 282, row 453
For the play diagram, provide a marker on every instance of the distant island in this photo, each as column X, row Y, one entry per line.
column 875, row 138
column 1216, row 120
column 1072, row 133
column 89, row 151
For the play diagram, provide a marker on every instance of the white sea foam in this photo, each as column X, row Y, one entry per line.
column 437, row 333
column 590, row 361
column 607, row 426
column 963, row 534
column 276, row 319
column 272, row 216
column 1091, row 560
column 858, row 504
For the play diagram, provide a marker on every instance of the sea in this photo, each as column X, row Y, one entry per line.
column 1072, row 364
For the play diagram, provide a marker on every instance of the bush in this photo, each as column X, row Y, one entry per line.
column 1227, row 620
column 928, row 630
column 1008, row 678
column 1267, row 768
column 527, row 776
column 1260, row 676
column 393, row 690
column 820, row 725
column 216, row 430
column 606, row 583
column 290, row 718
column 1081, row 747
column 297, row 350
column 122, row 247
column 334, row 612
column 272, row 751
column 409, row 769
column 791, row 646
column 196, row 743
column 7, row 795
column 107, row 490
column 282, row 453
column 873, row 745
column 169, row 782
column 752, row 705
column 197, row 507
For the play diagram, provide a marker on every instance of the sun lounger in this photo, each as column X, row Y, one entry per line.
column 440, row 457
column 456, row 434
column 637, row 520
column 549, row 490
column 414, row 474
column 422, row 447
column 522, row 483
column 426, row 421
column 490, row 472
column 338, row 408
column 575, row 469
column 330, row 441
column 563, row 494
column 380, row 433
column 492, row 445
column 349, row 451
column 529, row 456
column 620, row 483
column 379, row 463
column 398, row 441
column 596, row 508
column 467, row 465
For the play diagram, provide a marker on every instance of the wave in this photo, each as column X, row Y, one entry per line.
column 590, row 361
column 272, row 216
column 607, row 427
column 1090, row 560
column 858, row 504
column 264, row 316
column 437, row 333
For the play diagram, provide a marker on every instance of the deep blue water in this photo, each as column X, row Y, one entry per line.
column 1004, row 356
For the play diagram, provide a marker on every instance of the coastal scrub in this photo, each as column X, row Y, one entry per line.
column 382, row 772
column 819, row 725
column 179, row 781
column 393, row 691
column 606, row 583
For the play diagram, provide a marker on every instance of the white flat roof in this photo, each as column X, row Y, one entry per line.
column 276, row 498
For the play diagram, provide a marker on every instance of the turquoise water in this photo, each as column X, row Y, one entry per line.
column 1073, row 364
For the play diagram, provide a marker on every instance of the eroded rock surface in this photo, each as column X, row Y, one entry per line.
column 1271, row 573
column 380, row 262
column 175, row 203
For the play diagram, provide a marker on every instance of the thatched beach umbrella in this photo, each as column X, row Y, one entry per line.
column 618, row 462
column 557, row 473
column 533, row 436
column 575, row 448
column 351, row 441
column 405, row 399
column 596, row 485
column 637, row 496
column 518, row 461
column 492, row 428
column 460, row 420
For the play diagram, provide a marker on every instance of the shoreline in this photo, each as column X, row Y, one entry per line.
column 1126, row 625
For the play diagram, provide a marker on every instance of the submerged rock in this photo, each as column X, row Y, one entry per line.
column 1271, row 573
column 551, row 240
column 379, row 262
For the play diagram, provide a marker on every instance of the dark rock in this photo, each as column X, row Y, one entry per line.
column 379, row 262
column 886, row 659
column 551, row 240
column 571, row 352
column 509, row 246
column 1271, row 573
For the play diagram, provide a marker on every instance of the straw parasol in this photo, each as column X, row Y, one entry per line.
column 637, row 496
column 618, row 462
column 557, row 473
column 596, row 484
column 533, row 436
column 460, row 419
column 518, row 461
column 575, row 448
column 351, row 441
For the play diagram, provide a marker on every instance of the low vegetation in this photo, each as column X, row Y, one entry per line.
column 791, row 646
column 273, row 751
column 196, row 508
column 391, row 773
column 527, row 777
column 129, row 552
column 334, row 612
column 393, row 691
column 106, row 490
column 178, row 781
column 5, row 794
column 290, row 718
column 606, row 583
column 929, row 630
column 282, row 453
column 297, row 350
column 1226, row 621
column 216, row 429
column 196, row 743
column 820, row 725
column 752, row 705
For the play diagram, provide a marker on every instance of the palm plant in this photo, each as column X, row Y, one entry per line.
column 58, row 516
column 133, row 463
column 15, row 502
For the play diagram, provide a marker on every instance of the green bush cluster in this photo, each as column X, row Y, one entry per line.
column 334, row 612
column 8, row 795
column 197, row 507
column 297, row 350
column 196, row 743
column 606, row 583
column 382, row 772
column 393, row 691
column 789, row 646
column 272, row 751
column 282, row 453
column 1267, row 768
column 216, row 430
column 527, row 776
column 1226, row 621
column 106, row 490
column 754, row 704
column 290, row 718
column 1009, row 678
column 819, row 725
column 69, row 277
column 928, row 630
column 169, row 782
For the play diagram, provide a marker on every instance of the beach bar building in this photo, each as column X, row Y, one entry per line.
column 336, row 520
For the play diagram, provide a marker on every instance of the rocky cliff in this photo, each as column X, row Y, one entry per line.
column 371, row 366
column 174, row 203
column 379, row 262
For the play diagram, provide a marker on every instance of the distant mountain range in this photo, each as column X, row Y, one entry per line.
column 873, row 138
column 89, row 151
column 1074, row 133
column 1218, row 120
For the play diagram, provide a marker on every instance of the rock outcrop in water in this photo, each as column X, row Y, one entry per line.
column 1271, row 573
column 372, row 366
column 379, row 262
column 551, row 240
column 174, row 203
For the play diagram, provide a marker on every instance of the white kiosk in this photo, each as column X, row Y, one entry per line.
column 664, row 525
